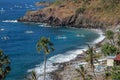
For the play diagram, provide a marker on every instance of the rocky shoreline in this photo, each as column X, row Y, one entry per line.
column 66, row 71
column 77, row 20
column 78, row 14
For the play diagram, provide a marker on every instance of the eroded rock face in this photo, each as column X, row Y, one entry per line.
column 72, row 13
column 52, row 17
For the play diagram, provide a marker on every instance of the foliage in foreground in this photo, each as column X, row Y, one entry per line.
column 83, row 73
column 4, row 65
column 45, row 45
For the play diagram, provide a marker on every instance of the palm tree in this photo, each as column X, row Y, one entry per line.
column 118, row 39
column 4, row 65
column 83, row 73
column 47, row 46
column 34, row 76
column 91, row 57
column 107, row 75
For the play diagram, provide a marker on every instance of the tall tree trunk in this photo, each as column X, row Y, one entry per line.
column 111, row 42
column 83, row 78
column 94, row 73
column 44, row 67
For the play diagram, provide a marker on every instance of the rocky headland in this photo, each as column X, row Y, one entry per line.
column 77, row 13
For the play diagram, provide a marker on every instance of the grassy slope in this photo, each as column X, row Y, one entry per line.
column 104, row 11
column 94, row 9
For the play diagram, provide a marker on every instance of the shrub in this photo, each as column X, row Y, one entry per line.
column 80, row 10
column 57, row 2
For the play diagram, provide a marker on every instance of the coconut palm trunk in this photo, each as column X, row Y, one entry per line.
column 45, row 66
column 111, row 42
column 91, row 57
column 94, row 74
column 92, row 67
column 82, row 72
column 47, row 47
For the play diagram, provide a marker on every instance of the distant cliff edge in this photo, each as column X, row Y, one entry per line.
column 77, row 13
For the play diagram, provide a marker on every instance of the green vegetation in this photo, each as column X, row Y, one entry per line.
column 45, row 45
column 57, row 2
column 33, row 75
column 91, row 57
column 113, row 46
column 80, row 10
column 110, row 36
column 108, row 49
column 112, row 49
column 4, row 65
column 112, row 73
column 106, row 11
column 83, row 73
column 115, row 73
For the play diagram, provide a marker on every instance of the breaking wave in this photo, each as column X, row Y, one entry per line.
column 10, row 21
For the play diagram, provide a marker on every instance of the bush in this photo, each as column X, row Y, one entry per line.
column 80, row 10
column 108, row 49
column 57, row 2
column 86, row 1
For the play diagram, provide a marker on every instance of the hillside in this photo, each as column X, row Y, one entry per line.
column 93, row 13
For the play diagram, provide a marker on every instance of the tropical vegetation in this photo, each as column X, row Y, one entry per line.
column 4, row 65
column 83, row 73
column 45, row 45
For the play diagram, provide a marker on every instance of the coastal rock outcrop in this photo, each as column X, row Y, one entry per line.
column 74, row 20
column 76, row 14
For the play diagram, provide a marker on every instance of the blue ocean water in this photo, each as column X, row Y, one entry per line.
column 18, row 40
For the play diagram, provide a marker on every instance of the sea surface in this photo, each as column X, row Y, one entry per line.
column 18, row 40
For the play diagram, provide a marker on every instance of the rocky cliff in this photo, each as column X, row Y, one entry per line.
column 77, row 14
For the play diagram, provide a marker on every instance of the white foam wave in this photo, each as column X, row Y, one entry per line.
column 67, row 56
column 17, row 6
column 101, row 38
column 61, row 37
column 2, row 10
column 31, row 6
column 2, row 29
column 5, row 38
column 80, row 35
column 29, row 32
column 40, row 68
column 11, row 21
column 43, row 25
column 60, row 58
